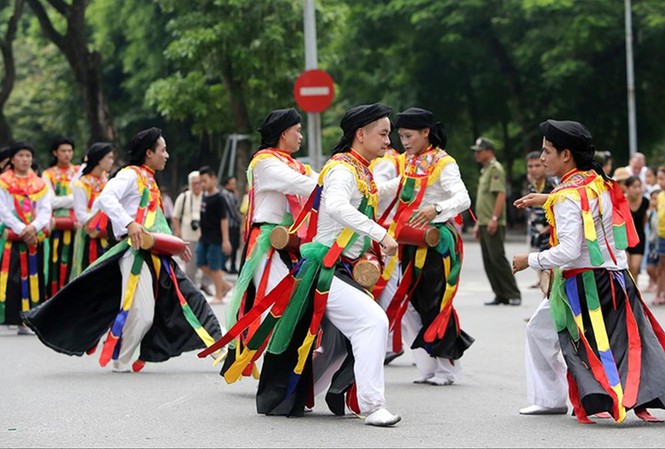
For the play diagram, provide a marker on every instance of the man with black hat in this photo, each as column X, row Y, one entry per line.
column 326, row 294
column 490, row 228
column 91, row 237
column 279, row 186
column 141, row 290
column 432, row 195
column 59, row 176
column 613, row 348
column 25, row 214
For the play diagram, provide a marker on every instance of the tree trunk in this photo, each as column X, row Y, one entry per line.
column 85, row 65
column 241, row 123
column 7, row 83
column 5, row 130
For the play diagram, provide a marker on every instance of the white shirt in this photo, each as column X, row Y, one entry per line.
column 58, row 202
column 449, row 192
column 81, row 204
column 120, row 200
column 384, row 170
column 273, row 179
column 572, row 251
column 187, row 208
column 42, row 217
column 340, row 199
column 81, row 200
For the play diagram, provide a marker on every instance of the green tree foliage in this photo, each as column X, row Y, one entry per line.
column 231, row 63
column 202, row 70
column 85, row 62
column 499, row 68
column 45, row 101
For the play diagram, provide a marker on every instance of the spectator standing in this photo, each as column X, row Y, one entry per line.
column 235, row 221
column 637, row 166
column 539, row 229
column 490, row 228
column 660, row 293
column 186, row 223
column 638, row 209
column 652, row 241
column 214, row 234
column 650, row 182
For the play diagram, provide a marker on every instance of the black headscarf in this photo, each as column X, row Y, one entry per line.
column 96, row 153
column 15, row 148
column 356, row 118
column 18, row 146
column 275, row 124
column 55, row 144
column 141, row 143
column 418, row 118
column 574, row 136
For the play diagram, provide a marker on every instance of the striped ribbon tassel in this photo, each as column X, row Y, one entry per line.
column 92, row 250
column 64, row 257
column 4, row 278
column 602, row 366
column 320, row 301
column 54, row 262
column 279, row 298
column 143, row 202
column 25, row 288
column 452, row 262
column 595, row 255
column 258, row 245
column 33, row 275
column 187, row 311
column 109, row 349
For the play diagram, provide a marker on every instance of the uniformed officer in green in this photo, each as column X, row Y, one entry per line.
column 491, row 225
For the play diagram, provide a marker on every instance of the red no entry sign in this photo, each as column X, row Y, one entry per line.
column 314, row 90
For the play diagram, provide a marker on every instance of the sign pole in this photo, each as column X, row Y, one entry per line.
column 311, row 62
column 630, row 77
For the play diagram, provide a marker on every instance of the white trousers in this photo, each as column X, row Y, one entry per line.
column 141, row 313
column 360, row 319
column 387, row 296
column 428, row 366
column 546, row 383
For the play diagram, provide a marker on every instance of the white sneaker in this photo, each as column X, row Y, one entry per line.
column 24, row 330
column 423, row 380
column 120, row 367
column 540, row 410
column 440, row 381
column 382, row 418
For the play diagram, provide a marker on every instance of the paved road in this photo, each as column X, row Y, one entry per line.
column 52, row 400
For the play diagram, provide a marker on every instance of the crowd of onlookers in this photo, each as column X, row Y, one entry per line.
column 644, row 188
column 210, row 219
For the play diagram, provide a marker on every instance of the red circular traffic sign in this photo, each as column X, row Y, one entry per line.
column 314, row 90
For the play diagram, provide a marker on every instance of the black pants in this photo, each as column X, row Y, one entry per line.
column 496, row 265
